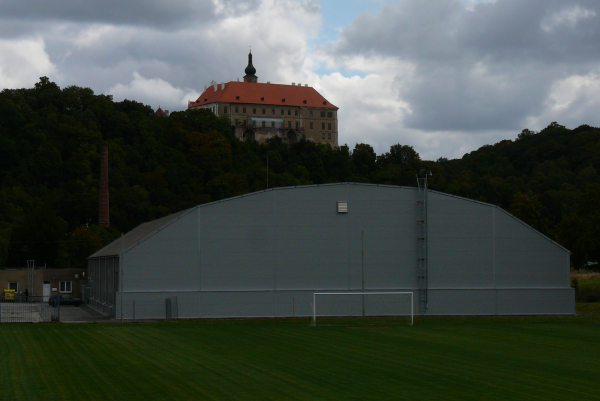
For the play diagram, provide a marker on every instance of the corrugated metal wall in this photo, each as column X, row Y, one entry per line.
column 265, row 253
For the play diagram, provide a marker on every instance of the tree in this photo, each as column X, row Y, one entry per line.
column 527, row 209
column 579, row 231
column 364, row 160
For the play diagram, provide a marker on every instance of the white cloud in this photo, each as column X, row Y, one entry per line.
column 153, row 91
column 23, row 61
column 572, row 101
column 568, row 16
column 93, row 35
column 370, row 110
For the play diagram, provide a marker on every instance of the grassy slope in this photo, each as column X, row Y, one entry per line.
column 443, row 359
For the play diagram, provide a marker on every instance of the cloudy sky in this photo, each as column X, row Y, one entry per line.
column 443, row 76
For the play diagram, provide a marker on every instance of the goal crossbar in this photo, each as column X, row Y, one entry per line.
column 314, row 304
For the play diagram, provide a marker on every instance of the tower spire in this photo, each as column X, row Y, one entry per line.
column 250, row 70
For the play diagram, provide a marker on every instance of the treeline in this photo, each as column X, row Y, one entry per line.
column 50, row 141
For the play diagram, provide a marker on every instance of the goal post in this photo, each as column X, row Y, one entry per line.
column 407, row 293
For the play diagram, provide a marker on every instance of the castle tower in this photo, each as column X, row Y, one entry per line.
column 250, row 71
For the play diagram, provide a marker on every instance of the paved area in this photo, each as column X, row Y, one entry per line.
column 81, row 314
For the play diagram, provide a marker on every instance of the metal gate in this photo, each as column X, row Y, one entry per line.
column 29, row 309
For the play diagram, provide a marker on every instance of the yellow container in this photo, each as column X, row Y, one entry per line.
column 9, row 295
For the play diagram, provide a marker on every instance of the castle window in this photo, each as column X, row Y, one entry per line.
column 273, row 111
column 244, row 110
column 264, row 124
column 323, row 135
column 237, row 109
column 311, row 125
column 224, row 109
column 264, row 111
column 323, row 114
column 282, row 112
column 329, row 114
column 329, row 136
column 253, row 111
column 323, row 127
column 295, row 112
column 328, row 126
column 289, row 112
column 310, row 113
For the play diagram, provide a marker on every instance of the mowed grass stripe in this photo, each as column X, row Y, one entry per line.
column 449, row 359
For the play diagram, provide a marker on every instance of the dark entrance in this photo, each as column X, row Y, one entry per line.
column 291, row 136
column 249, row 136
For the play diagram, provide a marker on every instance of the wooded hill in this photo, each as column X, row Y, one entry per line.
column 50, row 141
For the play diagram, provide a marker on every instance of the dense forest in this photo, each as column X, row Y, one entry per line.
column 50, row 141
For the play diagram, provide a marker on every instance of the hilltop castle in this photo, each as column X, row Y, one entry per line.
column 260, row 111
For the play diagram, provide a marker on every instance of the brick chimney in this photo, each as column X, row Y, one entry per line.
column 104, row 219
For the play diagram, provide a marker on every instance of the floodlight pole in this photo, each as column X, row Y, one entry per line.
column 121, row 271
column 362, row 265
column 267, row 172
column 314, row 308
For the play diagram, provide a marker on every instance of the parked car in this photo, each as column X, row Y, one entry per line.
column 64, row 300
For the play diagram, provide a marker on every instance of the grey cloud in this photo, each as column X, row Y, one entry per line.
column 411, row 29
column 157, row 13
column 452, row 97
column 513, row 30
column 487, row 69
column 184, row 58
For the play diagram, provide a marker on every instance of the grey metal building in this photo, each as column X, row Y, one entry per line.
column 266, row 253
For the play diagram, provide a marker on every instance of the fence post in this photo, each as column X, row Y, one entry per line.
column 133, row 310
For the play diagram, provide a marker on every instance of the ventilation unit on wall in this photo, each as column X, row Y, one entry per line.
column 342, row 207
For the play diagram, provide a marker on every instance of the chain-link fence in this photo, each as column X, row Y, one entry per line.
column 28, row 309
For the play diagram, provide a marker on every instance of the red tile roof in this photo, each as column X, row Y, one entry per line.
column 160, row 113
column 267, row 94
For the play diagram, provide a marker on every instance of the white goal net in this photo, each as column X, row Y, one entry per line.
column 380, row 303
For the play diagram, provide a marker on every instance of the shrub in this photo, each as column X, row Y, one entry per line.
column 587, row 290
column 575, row 283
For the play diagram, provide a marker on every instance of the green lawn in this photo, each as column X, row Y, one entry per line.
column 533, row 358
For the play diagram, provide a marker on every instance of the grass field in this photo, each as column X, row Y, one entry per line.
column 517, row 358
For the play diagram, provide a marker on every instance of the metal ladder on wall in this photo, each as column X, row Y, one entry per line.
column 30, row 267
column 422, row 239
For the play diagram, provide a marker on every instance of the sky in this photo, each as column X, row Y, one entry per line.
column 443, row 76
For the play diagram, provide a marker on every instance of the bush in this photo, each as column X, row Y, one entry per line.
column 575, row 283
column 587, row 290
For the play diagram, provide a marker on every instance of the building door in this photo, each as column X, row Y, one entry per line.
column 46, row 291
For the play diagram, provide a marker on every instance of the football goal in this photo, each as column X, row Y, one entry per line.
column 399, row 299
